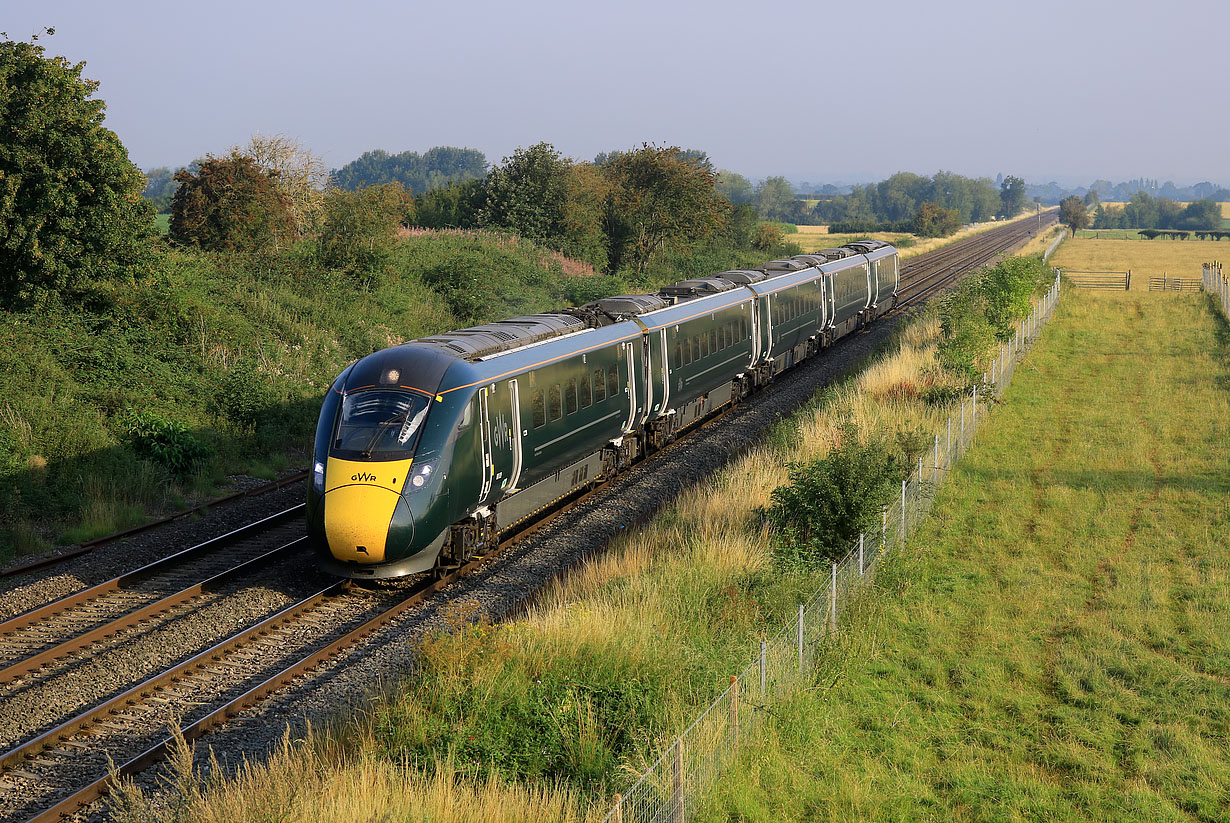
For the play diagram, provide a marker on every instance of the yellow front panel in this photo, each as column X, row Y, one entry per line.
column 359, row 501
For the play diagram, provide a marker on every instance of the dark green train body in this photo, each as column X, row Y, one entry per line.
column 429, row 452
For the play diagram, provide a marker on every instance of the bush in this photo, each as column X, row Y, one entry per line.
column 830, row 500
column 244, row 398
column 766, row 236
column 166, row 442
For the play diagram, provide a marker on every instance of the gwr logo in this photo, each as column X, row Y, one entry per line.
column 363, row 477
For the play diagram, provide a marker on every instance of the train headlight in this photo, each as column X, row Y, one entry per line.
column 420, row 475
column 318, row 477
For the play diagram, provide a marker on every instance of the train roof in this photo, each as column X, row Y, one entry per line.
column 503, row 335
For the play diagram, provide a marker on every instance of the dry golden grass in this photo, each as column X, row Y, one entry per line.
column 1146, row 258
column 1039, row 244
column 1114, row 205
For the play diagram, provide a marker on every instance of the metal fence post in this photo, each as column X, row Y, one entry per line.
column 764, row 647
column 962, row 422
column 949, row 452
column 800, row 638
column 883, row 529
column 833, row 597
column 734, row 708
column 935, row 468
column 677, row 786
column 860, row 554
column 903, row 524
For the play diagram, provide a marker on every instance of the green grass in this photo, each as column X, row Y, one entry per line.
column 163, row 222
column 1055, row 644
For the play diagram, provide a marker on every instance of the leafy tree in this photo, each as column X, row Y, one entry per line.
column 298, row 173
column 774, row 197
column 588, row 190
column 70, row 199
column 455, row 205
column 1011, row 196
column 160, row 188
column 658, row 197
column 435, row 168
column 1073, row 214
column 935, row 221
column 230, row 204
column 528, row 194
column 359, row 228
column 734, row 187
column 1091, row 198
column 1201, row 214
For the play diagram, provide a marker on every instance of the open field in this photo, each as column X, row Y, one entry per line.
column 1113, row 204
column 1176, row 258
column 1055, row 645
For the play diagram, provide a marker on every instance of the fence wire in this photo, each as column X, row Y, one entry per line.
column 1215, row 283
column 668, row 790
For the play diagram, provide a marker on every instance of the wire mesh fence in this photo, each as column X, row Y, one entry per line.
column 1216, row 284
column 667, row 792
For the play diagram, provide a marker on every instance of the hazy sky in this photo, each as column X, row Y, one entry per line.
column 818, row 91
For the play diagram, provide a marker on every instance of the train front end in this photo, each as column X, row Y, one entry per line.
column 377, row 502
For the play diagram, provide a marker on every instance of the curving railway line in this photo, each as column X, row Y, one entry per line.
column 127, row 648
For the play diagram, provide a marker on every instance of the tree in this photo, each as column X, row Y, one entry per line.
column 1011, row 196
column 451, row 207
column 300, row 175
column 774, row 197
column 160, row 188
column 528, row 193
column 359, row 228
column 734, row 187
column 1201, row 214
column 658, row 197
column 70, row 199
column 936, row 221
column 435, row 168
column 1073, row 214
column 230, row 204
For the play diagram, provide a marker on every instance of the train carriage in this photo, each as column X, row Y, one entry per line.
column 429, row 452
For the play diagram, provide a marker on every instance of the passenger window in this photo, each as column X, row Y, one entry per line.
column 694, row 345
column 612, row 381
column 553, row 402
column 540, row 409
column 599, row 386
column 587, row 396
column 713, row 340
column 570, row 396
column 704, row 345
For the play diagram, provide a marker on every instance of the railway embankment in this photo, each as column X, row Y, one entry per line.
column 554, row 711
column 1054, row 643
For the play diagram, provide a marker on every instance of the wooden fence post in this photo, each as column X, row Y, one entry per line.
column 677, row 787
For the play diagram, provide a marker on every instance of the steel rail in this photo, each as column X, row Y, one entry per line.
column 131, row 619
column 55, row 607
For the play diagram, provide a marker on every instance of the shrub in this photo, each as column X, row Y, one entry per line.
column 766, row 236
column 166, row 442
column 830, row 500
column 244, row 397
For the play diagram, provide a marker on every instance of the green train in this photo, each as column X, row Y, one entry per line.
column 431, row 452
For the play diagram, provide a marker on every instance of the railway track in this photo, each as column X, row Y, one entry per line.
column 63, row 763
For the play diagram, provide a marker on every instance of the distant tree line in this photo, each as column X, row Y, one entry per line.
column 417, row 173
column 1146, row 212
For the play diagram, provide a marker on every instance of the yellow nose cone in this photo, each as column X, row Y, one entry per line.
column 359, row 501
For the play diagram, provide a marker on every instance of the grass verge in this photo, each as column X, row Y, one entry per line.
column 1055, row 645
column 577, row 697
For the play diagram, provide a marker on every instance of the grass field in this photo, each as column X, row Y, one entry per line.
column 1055, row 645
column 1225, row 207
column 1146, row 258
